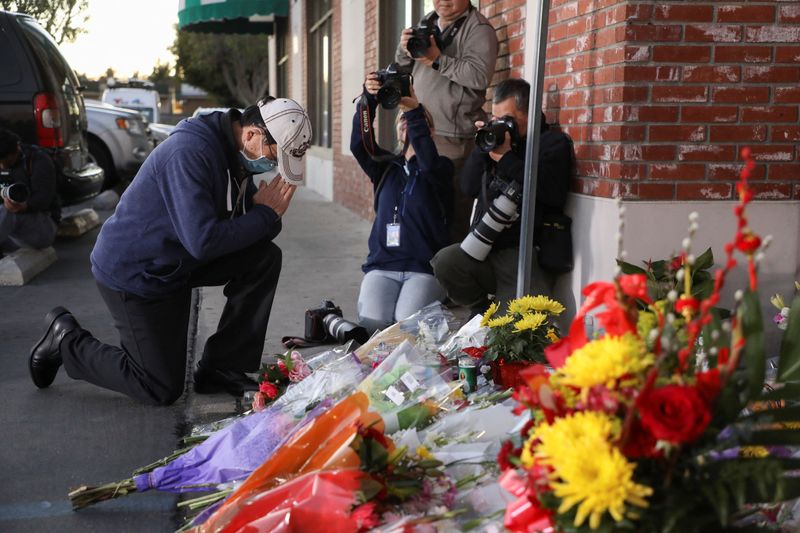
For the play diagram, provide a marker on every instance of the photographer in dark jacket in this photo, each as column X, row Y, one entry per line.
column 467, row 280
column 413, row 201
column 29, row 208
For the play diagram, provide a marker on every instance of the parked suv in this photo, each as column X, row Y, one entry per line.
column 119, row 140
column 40, row 101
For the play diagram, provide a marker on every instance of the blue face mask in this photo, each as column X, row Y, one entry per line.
column 259, row 165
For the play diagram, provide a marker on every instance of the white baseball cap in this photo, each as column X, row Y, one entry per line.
column 289, row 125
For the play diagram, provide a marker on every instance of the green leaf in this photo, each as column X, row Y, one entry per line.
column 753, row 331
column 789, row 364
column 659, row 268
column 703, row 289
column 628, row 268
column 705, row 261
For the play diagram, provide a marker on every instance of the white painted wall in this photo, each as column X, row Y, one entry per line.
column 319, row 171
column 353, row 72
column 655, row 230
column 297, row 13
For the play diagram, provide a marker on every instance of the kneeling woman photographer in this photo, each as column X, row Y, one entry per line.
column 413, row 203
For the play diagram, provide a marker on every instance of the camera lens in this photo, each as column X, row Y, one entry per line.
column 343, row 330
column 389, row 96
column 417, row 46
column 16, row 192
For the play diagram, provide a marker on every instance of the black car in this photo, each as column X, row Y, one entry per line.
column 40, row 100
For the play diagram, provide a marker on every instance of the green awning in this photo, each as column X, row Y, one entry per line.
column 231, row 16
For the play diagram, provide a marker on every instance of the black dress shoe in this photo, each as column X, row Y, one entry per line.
column 45, row 358
column 210, row 381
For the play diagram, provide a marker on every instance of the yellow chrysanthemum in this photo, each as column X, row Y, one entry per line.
column 552, row 336
column 603, row 362
column 489, row 314
column 754, row 451
column 526, row 457
column 500, row 321
column 526, row 304
column 588, row 471
column 530, row 321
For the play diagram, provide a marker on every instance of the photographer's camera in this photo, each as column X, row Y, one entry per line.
column 420, row 39
column 326, row 323
column 395, row 83
column 493, row 134
column 16, row 192
column 501, row 214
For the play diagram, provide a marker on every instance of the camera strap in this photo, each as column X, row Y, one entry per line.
column 365, row 120
column 446, row 37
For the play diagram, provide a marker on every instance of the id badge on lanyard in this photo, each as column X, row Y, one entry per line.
column 393, row 232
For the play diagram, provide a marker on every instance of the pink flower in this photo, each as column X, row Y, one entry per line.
column 282, row 367
column 268, row 389
column 365, row 516
column 259, row 402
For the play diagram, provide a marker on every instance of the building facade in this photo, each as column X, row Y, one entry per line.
column 659, row 98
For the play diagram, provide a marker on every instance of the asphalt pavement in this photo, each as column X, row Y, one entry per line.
column 74, row 433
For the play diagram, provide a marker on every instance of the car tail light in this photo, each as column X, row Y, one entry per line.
column 48, row 120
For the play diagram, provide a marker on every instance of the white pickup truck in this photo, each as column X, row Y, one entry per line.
column 119, row 140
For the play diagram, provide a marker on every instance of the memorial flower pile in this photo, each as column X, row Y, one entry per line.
column 649, row 428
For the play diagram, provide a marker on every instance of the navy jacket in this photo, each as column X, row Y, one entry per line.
column 176, row 214
column 422, row 191
column 556, row 165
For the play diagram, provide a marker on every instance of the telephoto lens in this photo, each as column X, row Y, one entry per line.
column 343, row 330
column 16, row 192
column 501, row 214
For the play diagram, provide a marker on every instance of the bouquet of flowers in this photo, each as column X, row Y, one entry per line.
column 646, row 429
column 273, row 378
column 524, row 331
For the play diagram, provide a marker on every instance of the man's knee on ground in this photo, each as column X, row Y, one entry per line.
column 164, row 396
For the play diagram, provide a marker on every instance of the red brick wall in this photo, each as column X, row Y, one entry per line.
column 508, row 19
column 351, row 187
column 660, row 97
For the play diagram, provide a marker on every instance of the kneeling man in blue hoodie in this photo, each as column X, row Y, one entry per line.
column 191, row 217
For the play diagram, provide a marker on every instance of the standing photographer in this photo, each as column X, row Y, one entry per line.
column 413, row 200
column 453, row 50
column 469, row 274
column 29, row 207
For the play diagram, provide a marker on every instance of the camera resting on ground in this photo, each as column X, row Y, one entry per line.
column 326, row 324
column 420, row 39
column 501, row 214
column 16, row 192
column 395, row 83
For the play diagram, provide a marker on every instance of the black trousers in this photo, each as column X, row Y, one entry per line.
column 150, row 363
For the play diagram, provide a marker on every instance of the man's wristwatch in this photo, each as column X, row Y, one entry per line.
column 435, row 64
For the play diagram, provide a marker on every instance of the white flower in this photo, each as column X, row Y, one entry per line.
column 694, row 216
column 485, row 369
column 672, row 296
column 785, row 312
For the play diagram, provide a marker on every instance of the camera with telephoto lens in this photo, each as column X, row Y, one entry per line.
column 326, row 324
column 493, row 134
column 395, row 83
column 420, row 39
column 501, row 214
column 16, row 192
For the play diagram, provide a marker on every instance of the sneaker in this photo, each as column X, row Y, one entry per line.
column 211, row 381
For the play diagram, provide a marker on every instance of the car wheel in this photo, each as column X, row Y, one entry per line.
column 99, row 153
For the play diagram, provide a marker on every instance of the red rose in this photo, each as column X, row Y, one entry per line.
column 709, row 384
column 674, row 413
column 270, row 390
column 640, row 443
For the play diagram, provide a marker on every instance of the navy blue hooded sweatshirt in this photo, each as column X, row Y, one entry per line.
column 176, row 215
column 423, row 197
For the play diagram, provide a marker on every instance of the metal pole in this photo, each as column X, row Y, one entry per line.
column 532, row 156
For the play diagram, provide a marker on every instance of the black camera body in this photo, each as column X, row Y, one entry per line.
column 493, row 134
column 315, row 326
column 395, row 83
column 510, row 189
column 327, row 324
column 16, row 192
column 420, row 39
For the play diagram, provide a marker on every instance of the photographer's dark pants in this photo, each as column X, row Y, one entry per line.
column 457, row 150
column 150, row 364
column 470, row 282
